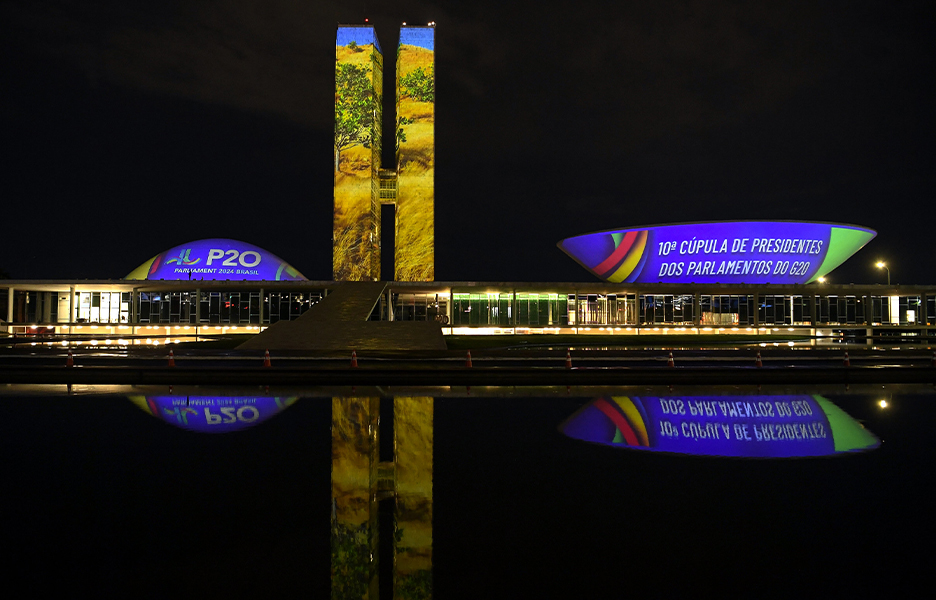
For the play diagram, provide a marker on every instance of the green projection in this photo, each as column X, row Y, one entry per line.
column 358, row 116
column 414, row 257
column 361, row 186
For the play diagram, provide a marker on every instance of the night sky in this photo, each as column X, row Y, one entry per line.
column 129, row 128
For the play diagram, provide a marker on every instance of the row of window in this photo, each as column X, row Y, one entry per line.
column 234, row 308
column 563, row 310
column 478, row 309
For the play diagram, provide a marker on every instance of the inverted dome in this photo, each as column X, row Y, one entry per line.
column 217, row 259
column 718, row 252
column 737, row 426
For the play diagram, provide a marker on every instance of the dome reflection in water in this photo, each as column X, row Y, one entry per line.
column 735, row 426
column 212, row 414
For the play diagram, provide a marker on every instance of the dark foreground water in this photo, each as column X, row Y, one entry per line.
column 493, row 501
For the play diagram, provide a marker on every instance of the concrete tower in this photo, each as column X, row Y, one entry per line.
column 361, row 185
column 358, row 118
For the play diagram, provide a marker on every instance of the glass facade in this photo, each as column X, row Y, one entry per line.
column 667, row 309
column 726, row 309
column 103, row 307
column 413, row 307
column 498, row 307
column 223, row 308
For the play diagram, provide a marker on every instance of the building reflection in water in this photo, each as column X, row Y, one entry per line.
column 213, row 414
column 762, row 426
column 360, row 481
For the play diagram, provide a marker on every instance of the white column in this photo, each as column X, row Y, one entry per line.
column 261, row 307
column 9, row 315
column 71, row 307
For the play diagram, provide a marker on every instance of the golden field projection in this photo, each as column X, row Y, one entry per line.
column 355, row 232
column 415, row 217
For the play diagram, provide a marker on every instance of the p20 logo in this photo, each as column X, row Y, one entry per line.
column 249, row 258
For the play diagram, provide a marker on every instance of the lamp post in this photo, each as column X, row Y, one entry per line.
column 881, row 265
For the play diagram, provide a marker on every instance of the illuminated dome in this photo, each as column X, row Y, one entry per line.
column 217, row 259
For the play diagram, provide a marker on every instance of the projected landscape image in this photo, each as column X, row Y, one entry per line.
column 358, row 114
column 414, row 255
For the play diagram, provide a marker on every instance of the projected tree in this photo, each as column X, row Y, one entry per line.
column 420, row 84
column 354, row 108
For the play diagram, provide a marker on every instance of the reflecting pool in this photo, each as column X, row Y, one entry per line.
column 468, row 493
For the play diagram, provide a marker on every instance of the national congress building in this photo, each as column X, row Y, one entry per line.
column 740, row 277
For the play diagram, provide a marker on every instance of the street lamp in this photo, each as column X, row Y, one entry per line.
column 881, row 265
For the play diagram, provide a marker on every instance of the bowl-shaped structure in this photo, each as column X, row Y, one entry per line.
column 781, row 252
column 739, row 426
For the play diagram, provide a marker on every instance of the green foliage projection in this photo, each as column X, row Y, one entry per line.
column 415, row 586
column 350, row 561
column 400, row 134
column 410, row 586
column 354, row 108
column 420, row 84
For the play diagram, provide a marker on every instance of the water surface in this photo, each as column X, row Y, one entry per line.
column 493, row 500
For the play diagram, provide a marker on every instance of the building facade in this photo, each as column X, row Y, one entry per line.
column 136, row 311
column 362, row 186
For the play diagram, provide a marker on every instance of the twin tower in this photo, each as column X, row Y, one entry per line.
column 361, row 185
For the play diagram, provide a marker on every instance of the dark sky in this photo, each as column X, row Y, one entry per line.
column 128, row 128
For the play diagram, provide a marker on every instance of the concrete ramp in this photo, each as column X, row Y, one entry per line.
column 339, row 322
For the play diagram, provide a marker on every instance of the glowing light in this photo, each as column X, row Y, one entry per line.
column 882, row 265
column 882, row 403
